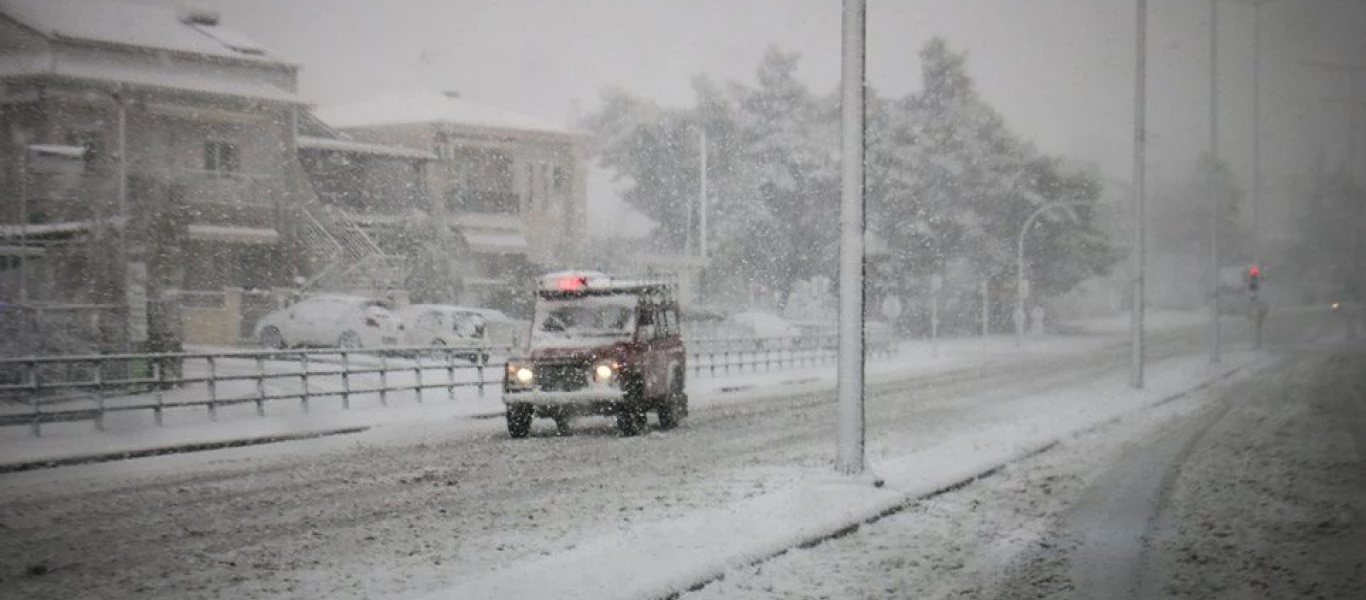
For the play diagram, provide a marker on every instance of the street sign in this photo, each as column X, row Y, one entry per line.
column 137, row 302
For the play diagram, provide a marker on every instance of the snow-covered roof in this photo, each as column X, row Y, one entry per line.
column 424, row 106
column 322, row 143
column 94, row 68
column 59, row 228
column 139, row 25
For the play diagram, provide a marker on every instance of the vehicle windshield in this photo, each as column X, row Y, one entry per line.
column 558, row 320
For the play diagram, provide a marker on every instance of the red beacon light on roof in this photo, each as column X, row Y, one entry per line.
column 571, row 283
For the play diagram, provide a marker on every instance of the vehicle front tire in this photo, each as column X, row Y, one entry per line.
column 675, row 405
column 631, row 421
column 562, row 426
column 271, row 338
column 519, row 420
column 349, row 340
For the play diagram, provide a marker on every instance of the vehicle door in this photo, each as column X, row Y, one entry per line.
column 660, row 351
column 301, row 319
column 427, row 329
column 646, row 331
column 670, row 347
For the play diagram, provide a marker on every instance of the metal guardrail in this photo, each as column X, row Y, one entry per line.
column 133, row 382
column 722, row 357
column 35, row 391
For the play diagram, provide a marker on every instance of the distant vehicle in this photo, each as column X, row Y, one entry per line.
column 599, row 345
column 331, row 320
column 447, row 326
column 502, row 330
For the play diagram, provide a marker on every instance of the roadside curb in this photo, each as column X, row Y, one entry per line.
column 37, row 464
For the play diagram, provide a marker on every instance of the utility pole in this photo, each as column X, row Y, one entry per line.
column 702, row 191
column 1214, row 182
column 849, row 458
column 1256, row 130
column 1136, row 258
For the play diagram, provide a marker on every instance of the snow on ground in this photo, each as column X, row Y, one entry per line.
column 1264, row 497
column 433, row 505
column 705, row 542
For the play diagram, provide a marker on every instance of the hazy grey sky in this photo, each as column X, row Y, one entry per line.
column 1061, row 71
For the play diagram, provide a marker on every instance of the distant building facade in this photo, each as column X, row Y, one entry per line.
column 177, row 125
column 511, row 188
column 186, row 132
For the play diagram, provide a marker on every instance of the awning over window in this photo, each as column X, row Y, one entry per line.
column 233, row 235
column 64, row 228
column 495, row 242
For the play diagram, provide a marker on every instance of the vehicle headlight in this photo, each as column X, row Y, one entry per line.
column 1335, row 306
column 520, row 373
column 605, row 372
column 524, row 375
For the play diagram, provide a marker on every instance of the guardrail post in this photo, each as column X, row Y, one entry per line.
column 159, row 374
column 417, row 377
column 726, row 355
column 383, row 381
column 346, row 380
column 303, row 378
column 260, row 386
column 33, row 395
column 479, row 372
column 213, row 389
column 99, row 395
column 450, row 375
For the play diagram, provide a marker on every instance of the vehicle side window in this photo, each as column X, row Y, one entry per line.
column 645, row 323
column 670, row 323
column 662, row 329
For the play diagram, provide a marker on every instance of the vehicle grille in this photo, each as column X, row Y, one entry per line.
column 562, row 377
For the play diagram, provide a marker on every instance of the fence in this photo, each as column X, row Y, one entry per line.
column 36, row 391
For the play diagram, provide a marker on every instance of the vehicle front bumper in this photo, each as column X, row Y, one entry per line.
column 586, row 397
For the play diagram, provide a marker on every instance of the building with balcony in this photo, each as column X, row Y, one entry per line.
column 187, row 129
column 184, row 131
column 510, row 187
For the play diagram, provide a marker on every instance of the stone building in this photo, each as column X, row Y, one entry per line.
column 186, row 132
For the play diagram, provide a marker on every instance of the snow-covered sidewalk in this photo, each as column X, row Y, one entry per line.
column 699, row 547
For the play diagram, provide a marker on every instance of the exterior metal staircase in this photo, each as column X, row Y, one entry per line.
column 351, row 259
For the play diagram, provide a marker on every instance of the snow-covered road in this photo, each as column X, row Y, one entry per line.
column 1256, row 489
column 342, row 519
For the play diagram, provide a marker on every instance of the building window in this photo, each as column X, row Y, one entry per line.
column 456, row 199
column 90, row 140
column 220, row 158
column 563, row 180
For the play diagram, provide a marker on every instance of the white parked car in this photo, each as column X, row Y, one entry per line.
column 331, row 320
column 447, row 326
